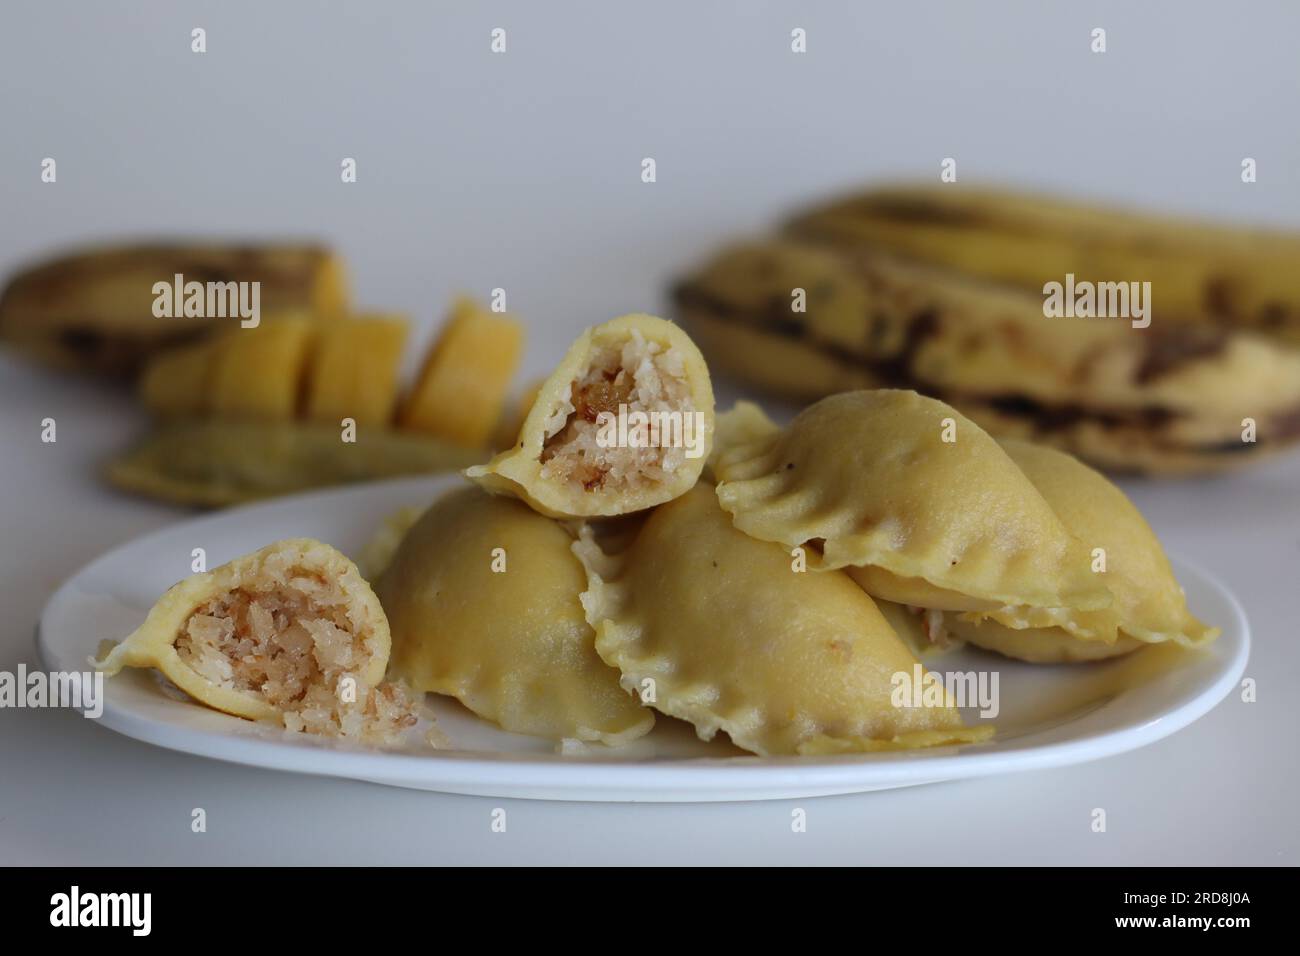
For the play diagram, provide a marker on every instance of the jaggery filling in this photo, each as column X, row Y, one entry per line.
column 641, row 376
column 291, row 643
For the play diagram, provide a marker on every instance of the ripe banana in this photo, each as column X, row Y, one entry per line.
column 93, row 311
column 1168, row 399
column 1233, row 277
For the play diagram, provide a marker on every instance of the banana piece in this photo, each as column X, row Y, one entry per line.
column 177, row 382
column 213, row 463
column 466, row 376
column 92, row 311
column 258, row 373
column 354, row 370
column 1168, row 399
column 1227, row 276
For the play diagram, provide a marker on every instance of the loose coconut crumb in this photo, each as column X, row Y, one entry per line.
column 293, row 641
column 935, row 631
column 644, row 377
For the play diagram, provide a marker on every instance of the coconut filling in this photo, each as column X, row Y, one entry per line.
column 639, row 377
column 291, row 646
column 935, row 630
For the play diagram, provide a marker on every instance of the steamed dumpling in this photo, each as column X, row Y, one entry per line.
column 291, row 633
column 717, row 628
column 925, row 631
column 570, row 460
column 379, row 550
column 482, row 599
column 1037, row 645
column 1148, row 605
column 742, row 424
column 866, row 481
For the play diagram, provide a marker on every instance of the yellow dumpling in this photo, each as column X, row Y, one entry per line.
column 289, row 633
column 623, row 424
column 482, row 598
column 1037, row 645
column 377, row 554
column 917, row 501
column 717, row 628
column 1148, row 605
column 925, row 632
column 742, row 424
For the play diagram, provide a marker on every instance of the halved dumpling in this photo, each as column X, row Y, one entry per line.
column 482, row 597
column 624, row 423
column 917, row 501
column 291, row 633
column 1148, row 604
column 719, row 629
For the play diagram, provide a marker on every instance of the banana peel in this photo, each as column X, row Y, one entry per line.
column 1231, row 277
column 213, row 462
column 92, row 311
column 1174, row 398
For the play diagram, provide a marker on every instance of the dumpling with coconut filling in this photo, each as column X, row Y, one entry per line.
column 915, row 500
column 482, row 598
column 1148, row 604
column 1036, row 645
column 291, row 633
column 572, row 459
column 719, row 629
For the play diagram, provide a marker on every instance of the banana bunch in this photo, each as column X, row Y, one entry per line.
column 1208, row 274
column 299, row 402
column 98, row 311
column 807, row 319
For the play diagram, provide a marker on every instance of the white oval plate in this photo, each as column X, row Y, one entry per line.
column 1049, row 716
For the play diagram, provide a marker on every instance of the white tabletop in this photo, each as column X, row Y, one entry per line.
column 522, row 170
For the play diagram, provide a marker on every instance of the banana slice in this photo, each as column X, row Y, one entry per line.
column 177, row 383
column 258, row 373
column 466, row 376
column 354, row 370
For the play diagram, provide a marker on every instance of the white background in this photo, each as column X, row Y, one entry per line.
column 522, row 171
